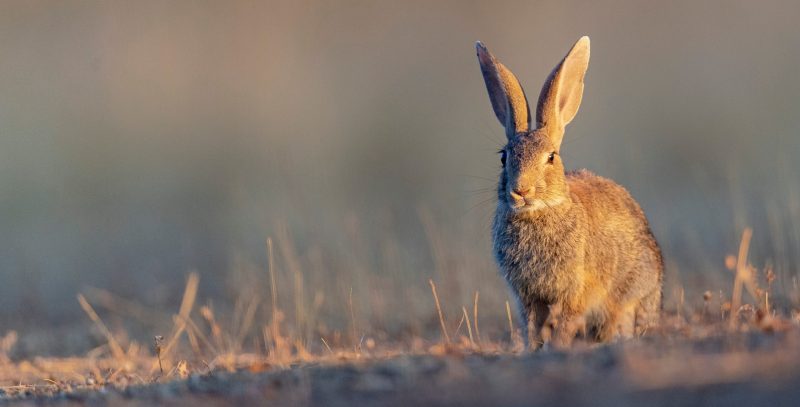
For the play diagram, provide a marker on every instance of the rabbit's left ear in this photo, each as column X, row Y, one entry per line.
column 508, row 99
column 562, row 92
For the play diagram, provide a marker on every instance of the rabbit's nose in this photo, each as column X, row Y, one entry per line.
column 522, row 191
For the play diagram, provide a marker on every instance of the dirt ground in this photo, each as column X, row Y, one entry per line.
column 739, row 369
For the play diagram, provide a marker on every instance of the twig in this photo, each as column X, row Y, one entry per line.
column 158, row 339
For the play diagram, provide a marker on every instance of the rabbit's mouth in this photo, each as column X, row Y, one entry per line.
column 533, row 205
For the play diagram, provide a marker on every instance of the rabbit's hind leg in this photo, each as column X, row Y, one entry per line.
column 568, row 324
column 626, row 322
column 537, row 327
column 619, row 323
column 648, row 312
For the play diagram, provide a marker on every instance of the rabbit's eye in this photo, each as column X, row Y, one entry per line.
column 551, row 157
column 503, row 157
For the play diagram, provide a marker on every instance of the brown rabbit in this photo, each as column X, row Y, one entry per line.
column 575, row 248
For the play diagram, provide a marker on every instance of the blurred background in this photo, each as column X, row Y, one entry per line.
column 140, row 141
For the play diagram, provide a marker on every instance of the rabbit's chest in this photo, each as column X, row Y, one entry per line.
column 538, row 262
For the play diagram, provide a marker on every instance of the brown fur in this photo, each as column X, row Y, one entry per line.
column 575, row 248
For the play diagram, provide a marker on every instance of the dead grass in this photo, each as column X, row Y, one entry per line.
column 201, row 344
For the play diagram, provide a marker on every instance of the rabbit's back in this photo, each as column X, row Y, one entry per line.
column 621, row 252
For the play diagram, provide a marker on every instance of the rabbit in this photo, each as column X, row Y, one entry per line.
column 575, row 248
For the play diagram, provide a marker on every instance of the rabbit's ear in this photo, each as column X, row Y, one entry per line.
column 562, row 92
column 508, row 99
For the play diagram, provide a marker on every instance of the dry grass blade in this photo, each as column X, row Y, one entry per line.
column 200, row 335
column 292, row 262
column 742, row 275
column 189, row 296
column 469, row 326
column 458, row 327
column 272, row 335
column 247, row 321
column 435, row 239
column 516, row 340
column 354, row 337
column 510, row 322
column 272, row 285
column 116, row 350
column 328, row 347
column 271, row 268
column 122, row 306
column 7, row 343
column 439, row 310
column 475, row 317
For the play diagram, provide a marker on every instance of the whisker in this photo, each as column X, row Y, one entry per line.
column 479, row 177
column 477, row 205
column 481, row 190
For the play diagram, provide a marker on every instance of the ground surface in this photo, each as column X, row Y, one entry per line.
column 733, row 369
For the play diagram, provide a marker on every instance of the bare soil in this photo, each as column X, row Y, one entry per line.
column 736, row 369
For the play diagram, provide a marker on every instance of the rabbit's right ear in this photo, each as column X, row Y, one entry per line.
column 508, row 99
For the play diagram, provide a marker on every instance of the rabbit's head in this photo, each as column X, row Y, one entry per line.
column 533, row 173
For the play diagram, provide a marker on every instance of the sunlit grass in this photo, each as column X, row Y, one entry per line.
column 257, row 336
